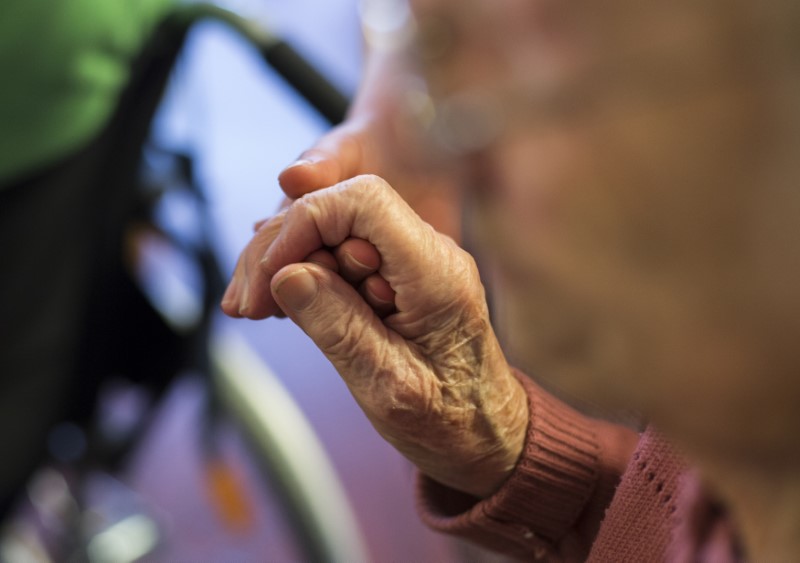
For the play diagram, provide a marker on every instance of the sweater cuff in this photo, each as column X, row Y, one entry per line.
column 541, row 500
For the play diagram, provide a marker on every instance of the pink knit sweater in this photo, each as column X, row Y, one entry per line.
column 587, row 490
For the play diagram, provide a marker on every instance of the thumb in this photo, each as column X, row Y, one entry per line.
column 332, row 313
column 337, row 156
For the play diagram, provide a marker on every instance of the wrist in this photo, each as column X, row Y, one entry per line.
column 487, row 459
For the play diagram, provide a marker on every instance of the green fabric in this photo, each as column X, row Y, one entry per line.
column 63, row 64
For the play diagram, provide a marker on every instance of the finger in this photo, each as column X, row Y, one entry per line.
column 232, row 296
column 239, row 300
column 337, row 156
column 335, row 317
column 357, row 259
column 324, row 258
column 418, row 263
column 377, row 292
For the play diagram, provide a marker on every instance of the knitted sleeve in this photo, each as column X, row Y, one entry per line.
column 641, row 521
column 552, row 504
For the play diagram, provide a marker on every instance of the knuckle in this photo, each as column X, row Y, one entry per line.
column 462, row 267
column 371, row 182
column 375, row 187
column 302, row 206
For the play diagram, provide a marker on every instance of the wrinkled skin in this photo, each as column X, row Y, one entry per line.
column 642, row 212
column 428, row 372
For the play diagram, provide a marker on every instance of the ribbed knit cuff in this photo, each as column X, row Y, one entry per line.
column 541, row 500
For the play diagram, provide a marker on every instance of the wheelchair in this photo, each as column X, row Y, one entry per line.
column 126, row 331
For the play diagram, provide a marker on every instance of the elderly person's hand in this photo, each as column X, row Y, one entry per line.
column 427, row 371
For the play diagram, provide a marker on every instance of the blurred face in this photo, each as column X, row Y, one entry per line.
column 636, row 183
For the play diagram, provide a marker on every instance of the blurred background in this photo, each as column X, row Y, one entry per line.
column 256, row 452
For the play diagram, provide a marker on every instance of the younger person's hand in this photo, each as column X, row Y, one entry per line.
column 382, row 136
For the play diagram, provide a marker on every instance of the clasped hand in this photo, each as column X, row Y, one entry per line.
column 400, row 312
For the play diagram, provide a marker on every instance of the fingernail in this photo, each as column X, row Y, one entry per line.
column 356, row 264
column 298, row 290
column 381, row 300
column 299, row 162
